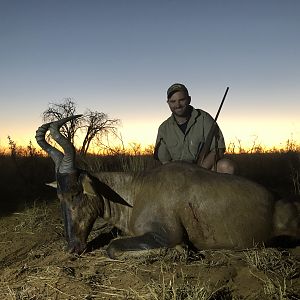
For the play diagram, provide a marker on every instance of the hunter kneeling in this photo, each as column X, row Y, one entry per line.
column 191, row 134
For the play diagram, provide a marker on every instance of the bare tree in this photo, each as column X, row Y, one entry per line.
column 93, row 123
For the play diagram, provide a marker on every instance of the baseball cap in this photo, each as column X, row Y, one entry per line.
column 176, row 87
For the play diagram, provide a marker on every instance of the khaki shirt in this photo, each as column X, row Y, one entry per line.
column 172, row 144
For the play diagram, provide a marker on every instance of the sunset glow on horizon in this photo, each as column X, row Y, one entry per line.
column 271, row 135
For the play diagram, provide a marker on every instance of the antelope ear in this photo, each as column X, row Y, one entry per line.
column 87, row 185
column 94, row 187
column 52, row 184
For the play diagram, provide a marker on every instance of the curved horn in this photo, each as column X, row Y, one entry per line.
column 55, row 154
column 67, row 164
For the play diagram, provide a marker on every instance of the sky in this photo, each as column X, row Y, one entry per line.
column 119, row 57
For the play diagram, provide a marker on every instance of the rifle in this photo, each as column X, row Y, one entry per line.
column 212, row 132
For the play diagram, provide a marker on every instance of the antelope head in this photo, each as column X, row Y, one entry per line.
column 78, row 207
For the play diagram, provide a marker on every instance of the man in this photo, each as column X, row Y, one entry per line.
column 183, row 134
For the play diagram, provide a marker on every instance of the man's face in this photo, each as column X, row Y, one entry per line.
column 179, row 103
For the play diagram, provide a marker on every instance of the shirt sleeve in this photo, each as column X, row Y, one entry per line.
column 218, row 140
column 161, row 151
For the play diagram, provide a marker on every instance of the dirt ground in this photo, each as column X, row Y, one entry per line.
column 35, row 265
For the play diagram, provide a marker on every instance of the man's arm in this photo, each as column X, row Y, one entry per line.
column 161, row 151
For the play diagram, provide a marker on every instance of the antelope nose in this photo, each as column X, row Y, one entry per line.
column 77, row 247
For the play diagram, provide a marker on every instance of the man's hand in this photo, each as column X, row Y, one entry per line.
column 211, row 158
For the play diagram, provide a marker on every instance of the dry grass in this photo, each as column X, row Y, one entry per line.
column 278, row 262
column 279, row 270
column 33, row 219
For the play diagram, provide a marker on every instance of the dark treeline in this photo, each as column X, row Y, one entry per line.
column 24, row 172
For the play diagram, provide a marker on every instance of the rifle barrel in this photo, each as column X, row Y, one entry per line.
column 205, row 149
column 220, row 107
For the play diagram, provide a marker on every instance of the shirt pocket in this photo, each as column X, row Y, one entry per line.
column 195, row 145
column 173, row 147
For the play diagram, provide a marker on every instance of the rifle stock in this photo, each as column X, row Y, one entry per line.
column 212, row 132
